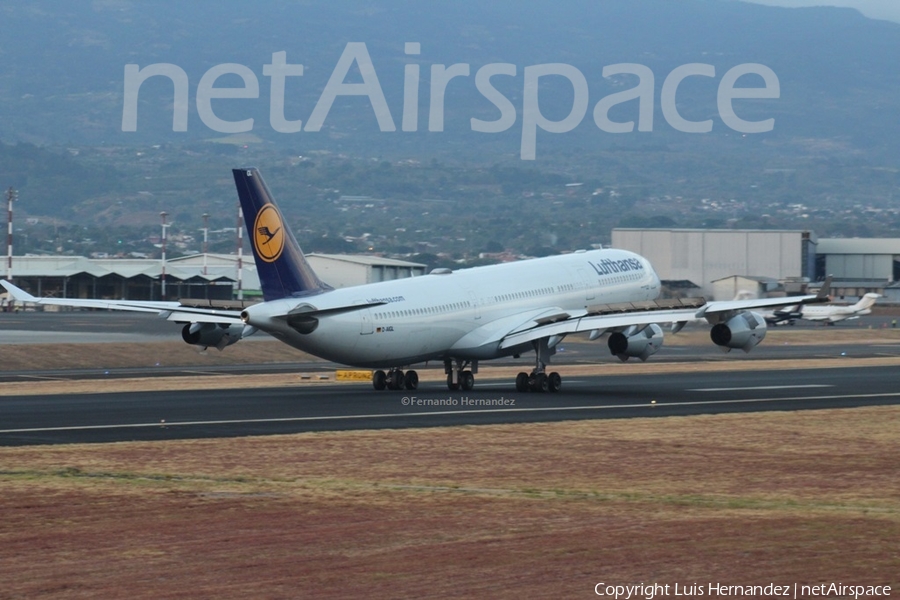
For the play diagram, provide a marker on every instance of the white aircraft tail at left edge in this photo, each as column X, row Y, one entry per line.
column 455, row 317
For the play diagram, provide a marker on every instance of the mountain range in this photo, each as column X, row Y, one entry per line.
column 62, row 87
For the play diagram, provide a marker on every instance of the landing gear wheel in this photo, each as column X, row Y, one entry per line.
column 379, row 380
column 395, row 380
column 554, row 382
column 540, row 383
column 411, row 380
column 466, row 380
column 460, row 375
column 450, row 385
column 522, row 382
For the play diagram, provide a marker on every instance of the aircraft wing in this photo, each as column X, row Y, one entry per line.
column 620, row 317
column 173, row 311
column 601, row 322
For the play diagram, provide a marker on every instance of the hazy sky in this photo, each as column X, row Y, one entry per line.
column 876, row 9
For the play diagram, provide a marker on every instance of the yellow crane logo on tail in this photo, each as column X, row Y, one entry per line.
column 268, row 233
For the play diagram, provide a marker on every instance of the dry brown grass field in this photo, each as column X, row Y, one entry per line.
column 543, row 510
column 512, row 511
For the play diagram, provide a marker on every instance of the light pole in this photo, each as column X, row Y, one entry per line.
column 11, row 195
column 205, row 239
column 240, row 253
column 163, row 215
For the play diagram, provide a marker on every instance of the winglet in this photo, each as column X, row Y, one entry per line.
column 17, row 293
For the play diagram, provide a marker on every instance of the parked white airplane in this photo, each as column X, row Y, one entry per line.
column 456, row 317
column 828, row 313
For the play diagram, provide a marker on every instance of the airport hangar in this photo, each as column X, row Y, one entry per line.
column 715, row 263
column 719, row 263
column 198, row 276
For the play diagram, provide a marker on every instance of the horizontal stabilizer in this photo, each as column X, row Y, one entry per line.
column 308, row 311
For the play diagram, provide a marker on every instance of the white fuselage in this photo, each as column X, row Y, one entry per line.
column 461, row 315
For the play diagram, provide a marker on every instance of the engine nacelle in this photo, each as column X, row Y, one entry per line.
column 640, row 344
column 211, row 334
column 743, row 331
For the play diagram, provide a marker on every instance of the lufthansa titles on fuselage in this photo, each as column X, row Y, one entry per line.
column 607, row 266
column 388, row 300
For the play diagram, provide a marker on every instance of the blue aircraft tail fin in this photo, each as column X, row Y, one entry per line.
column 282, row 268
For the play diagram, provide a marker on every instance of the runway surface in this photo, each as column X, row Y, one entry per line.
column 137, row 415
column 112, row 417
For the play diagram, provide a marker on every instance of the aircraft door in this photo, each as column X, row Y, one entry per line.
column 365, row 320
column 590, row 284
column 474, row 300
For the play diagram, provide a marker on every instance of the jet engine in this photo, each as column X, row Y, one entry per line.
column 638, row 343
column 211, row 334
column 743, row 331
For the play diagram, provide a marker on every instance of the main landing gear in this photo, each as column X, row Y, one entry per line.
column 539, row 380
column 460, row 377
column 461, row 373
column 395, row 379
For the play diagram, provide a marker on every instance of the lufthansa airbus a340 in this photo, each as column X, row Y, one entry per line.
column 455, row 317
